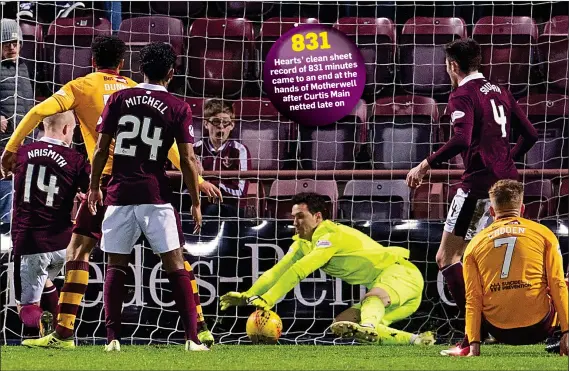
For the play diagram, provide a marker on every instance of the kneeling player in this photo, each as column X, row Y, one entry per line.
column 47, row 175
column 395, row 284
column 510, row 269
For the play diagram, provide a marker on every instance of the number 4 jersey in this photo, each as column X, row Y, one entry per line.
column 482, row 114
column 47, row 176
column 510, row 269
column 144, row 120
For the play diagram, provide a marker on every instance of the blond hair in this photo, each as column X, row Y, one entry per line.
column 58, row 121
column 214, row 106
column 506, row 194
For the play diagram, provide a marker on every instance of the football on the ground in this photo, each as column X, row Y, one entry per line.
column 264, row 327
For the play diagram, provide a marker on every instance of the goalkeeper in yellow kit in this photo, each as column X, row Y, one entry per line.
column 394, row 283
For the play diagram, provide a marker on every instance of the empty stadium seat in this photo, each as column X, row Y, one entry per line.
column 429, row 201
column 375, row 200
column 32, row 51
column 271, row 30
column 553, row 46
column 260, row 127
column 220, row 56
column 178, row 8
column 422, row 55
column 537, row 197
column 550, row 116
column 248, row 9
column 375, row 38
column 138, row 32
column 68, row 47
column 507, row 53
column 279, row 203
column 196, row 105
column 402, row 130
column 334, row 147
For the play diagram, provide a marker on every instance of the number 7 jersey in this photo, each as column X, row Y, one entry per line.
column 510, row 269
column 144, row 120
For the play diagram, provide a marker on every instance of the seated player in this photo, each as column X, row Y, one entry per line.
column 138, row 192
column 47, row 174
column 218, row 153
column 394, row 283
column 513, row 271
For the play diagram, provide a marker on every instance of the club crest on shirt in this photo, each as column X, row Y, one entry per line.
column 456, row 115
column 323, row 243
column 226, row 162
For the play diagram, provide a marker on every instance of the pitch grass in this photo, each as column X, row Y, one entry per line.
column 280, row 357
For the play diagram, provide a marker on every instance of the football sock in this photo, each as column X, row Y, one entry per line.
column 76, row 279
column 184, row 298
column 30, row 315
column 391, row 336
column 49, row 302
column 455, row 283
column 372, row 311
column 199, row 310
column 114, row 295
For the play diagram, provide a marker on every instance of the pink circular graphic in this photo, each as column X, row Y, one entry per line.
column 314, row 75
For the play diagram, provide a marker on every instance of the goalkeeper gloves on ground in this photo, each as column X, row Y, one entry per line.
column 260, row 302
column 232, row 299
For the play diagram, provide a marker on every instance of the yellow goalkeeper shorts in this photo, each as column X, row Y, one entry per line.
column 404, row 283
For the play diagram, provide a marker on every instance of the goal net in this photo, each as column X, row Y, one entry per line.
column 359, row 163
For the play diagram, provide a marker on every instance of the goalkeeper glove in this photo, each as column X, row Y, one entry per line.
column 232, row 299
column 260, row 302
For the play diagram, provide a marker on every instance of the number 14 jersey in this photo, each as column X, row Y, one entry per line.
column 144, row 120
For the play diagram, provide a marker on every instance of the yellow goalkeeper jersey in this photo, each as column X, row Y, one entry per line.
column 340, row 251
column 87, row 97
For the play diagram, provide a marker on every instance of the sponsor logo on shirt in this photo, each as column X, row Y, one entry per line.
column 120, row 79
column 323, row 243
column 61, row 92
column 456, row 115
column 191, row 130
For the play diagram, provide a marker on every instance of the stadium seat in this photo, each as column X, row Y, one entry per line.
column 422, row 55
column 375, row 38
column 553, row 46
column 271, row 30
column 402, row 130
column 428, row 201
column 32, row 51
column 334, row 147
column 249, row 9
column 260, row 127
column 507, row 53
column 178, row 8
column 537, row 198
column 196, row 104
column 279, row 202
column 375, row 200
column 138, row 32
column 550, row 116
column 220, row 56
column 68, row 47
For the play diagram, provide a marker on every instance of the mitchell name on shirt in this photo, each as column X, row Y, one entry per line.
column 148, row 100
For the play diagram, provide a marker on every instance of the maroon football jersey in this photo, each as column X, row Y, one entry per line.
column 145, row 120
column 47, row 176
column 231, row 156
column 482, row 114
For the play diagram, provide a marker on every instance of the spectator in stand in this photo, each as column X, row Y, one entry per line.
column 16, row 99
column 220, row 153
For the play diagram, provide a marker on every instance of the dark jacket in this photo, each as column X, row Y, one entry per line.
column 14, row 103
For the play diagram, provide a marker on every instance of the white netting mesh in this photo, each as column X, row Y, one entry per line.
column 359, row 163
